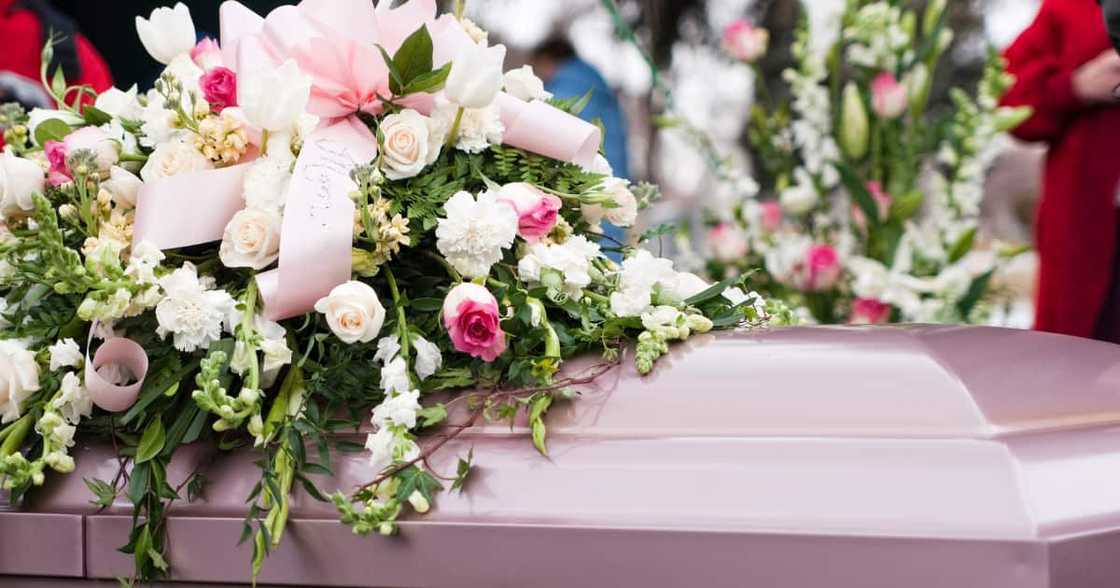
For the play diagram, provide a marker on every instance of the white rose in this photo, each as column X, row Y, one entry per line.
column 274, row 99
column 399, row 410
column 120, row 104
column 65, row 353
column 123, row 186
column 623, row 214
column 168, row 33
column 19, row 180
column 523, row 83
column 476, row 75
column 353, row 312
column 19, row 379
column 252, row 239
column 173, row 158
column 408, row 147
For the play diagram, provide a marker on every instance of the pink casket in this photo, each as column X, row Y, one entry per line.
column 910, row 457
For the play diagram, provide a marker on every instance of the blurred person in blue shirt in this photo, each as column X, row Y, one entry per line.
column 568, row 76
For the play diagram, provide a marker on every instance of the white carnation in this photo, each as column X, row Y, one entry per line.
column 190, row 312
column 479, row 128
column 65, row 353
column 475, row 232
column 266, row 184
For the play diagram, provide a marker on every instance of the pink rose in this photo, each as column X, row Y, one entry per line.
column 59, row 172
column 883, row 202
column 889, row 98
column 869, row 311
column 821, row 270
column 771, row 216
column 744, row 41
column 471, row 317
column 207, row 54
column 727, row 244
column 537, row 212
column 219, row 88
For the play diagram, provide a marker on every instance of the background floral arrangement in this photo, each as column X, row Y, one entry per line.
column 473, row 266
column 870, row 201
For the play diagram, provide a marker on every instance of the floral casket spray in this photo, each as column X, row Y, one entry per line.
column 315, row 225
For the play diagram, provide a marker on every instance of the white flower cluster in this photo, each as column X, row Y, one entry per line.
column 396, row 415
column 880, row 41
column 570, row 263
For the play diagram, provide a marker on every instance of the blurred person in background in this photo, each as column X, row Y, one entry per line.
column 1067, row 71
column 25, row 27
column 567, row 76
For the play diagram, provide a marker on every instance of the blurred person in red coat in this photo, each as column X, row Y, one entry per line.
column 25, row 26
column 1067, row 71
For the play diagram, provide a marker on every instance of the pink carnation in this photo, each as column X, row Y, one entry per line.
column 537, row 212
column 869, row 311
column 219, row 88
column 59, row 172
column 472, row 319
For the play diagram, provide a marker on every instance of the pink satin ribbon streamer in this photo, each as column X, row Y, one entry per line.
column 120, row 352
column 188, row 209
column 318, row 230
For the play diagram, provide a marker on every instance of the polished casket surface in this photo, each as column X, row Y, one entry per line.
column 841, row 457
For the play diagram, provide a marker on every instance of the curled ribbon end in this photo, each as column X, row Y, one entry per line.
column 116, row 352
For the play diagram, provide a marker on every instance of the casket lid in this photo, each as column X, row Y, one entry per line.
column 913, row 381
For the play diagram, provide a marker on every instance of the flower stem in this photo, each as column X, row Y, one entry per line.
column 460, row 8
column 453, row 134
column 402, row 321
column 136, row 157
column 15, row 436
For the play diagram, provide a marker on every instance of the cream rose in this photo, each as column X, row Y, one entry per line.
column 19, row 378
column 173, row 158
column 252, row 239
column 353, row 312
column 408, row 147
column 19, row 179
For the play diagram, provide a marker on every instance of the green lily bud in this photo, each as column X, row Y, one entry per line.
column 934, row 10
column 917, row 83
column 854, row 125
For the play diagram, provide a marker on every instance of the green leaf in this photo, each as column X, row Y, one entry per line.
column 427, row 305
column 860, row 194
column 104, row 493
column 138, row 483
column 962, row 246
column 906, row 206
column 142, row 547
column 975, row 293
column 157, row 560
column 463, row 471
column 414, row 58
column 96, row 117
column 415, row 479
column 429, row 82
column 536, row 422
column 712, row 292
column 151, row 443
column 432, row 415
column 395, row 82
column 51, row 130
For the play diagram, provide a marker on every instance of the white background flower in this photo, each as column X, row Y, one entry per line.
column 19, row 378
column 251, row 239
column 409, row 144
column 65, row 353
column 168, row 33
column 173, row 158
column 475, row 232
column 189, row 311
column 353, row 312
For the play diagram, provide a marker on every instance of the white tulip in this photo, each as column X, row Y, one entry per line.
column 353, row 312
column 476, row 75
column 167, row 33
column 19, row 180
column 274, row 99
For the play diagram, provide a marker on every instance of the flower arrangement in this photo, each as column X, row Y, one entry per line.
column 310, row 227
column 871, row 201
